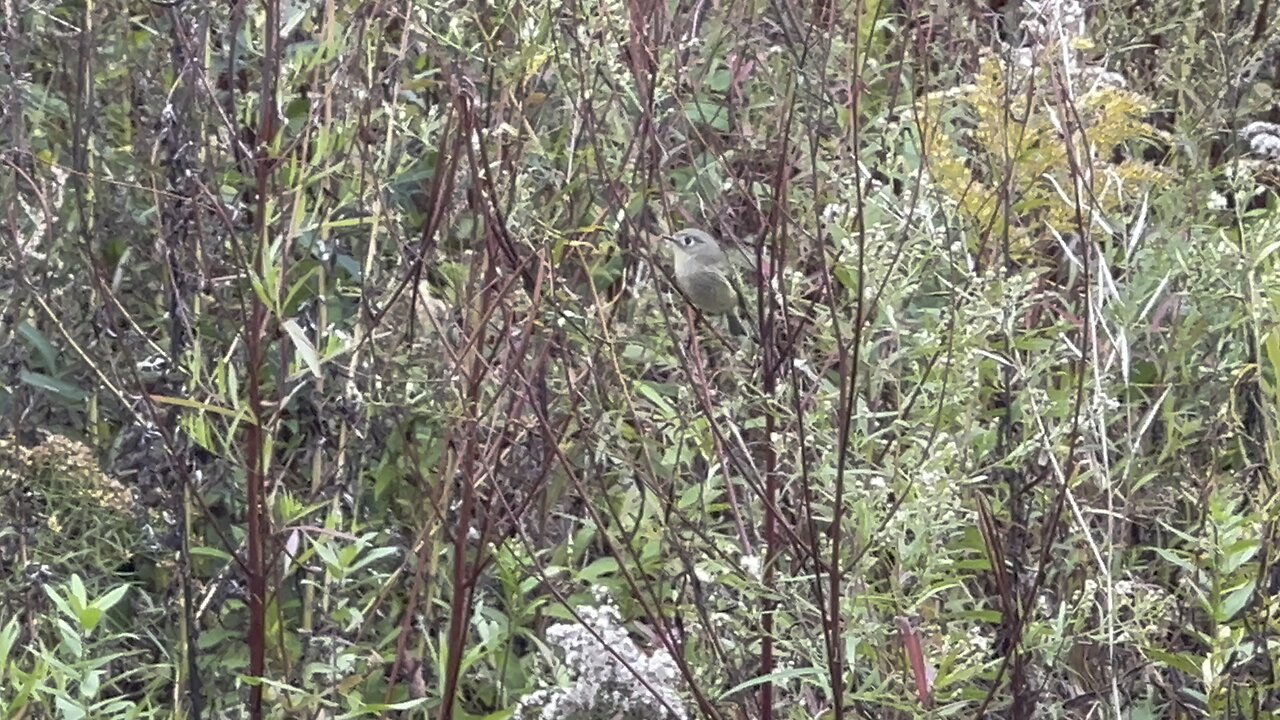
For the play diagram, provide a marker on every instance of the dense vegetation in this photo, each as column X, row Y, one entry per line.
column 344, row 375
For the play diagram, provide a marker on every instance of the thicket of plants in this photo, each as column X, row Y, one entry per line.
column 344, row 375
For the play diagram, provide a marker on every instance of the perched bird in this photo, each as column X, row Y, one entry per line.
column 705, row 275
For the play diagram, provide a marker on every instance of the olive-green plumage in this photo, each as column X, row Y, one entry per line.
column 704, row 274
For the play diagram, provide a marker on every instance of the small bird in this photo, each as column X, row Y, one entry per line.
column 704, row 274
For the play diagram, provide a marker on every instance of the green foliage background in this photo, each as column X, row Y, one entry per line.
column 365, row 302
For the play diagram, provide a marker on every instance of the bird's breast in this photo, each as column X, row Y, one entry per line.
column 709, row 291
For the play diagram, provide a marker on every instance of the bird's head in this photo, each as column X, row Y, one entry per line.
column 696, row 245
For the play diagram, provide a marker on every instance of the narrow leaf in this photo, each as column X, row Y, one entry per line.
column 304, row 346
column 61, row 388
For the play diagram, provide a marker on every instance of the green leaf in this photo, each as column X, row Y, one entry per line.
column 705, row 112
column 60, row 601
column 38, row 342
column 349, row 264
column 61, row 388
column 78, row 592
column 212, row 552
column 214, row 637
column 1239, row 553
column 26, row 684
column 305, row 349
column 602, row 566
column 1175, row 558
column 653, row 393
column 196, row 405
column 774, row 677
column 372, row 556
column 719, row 80
column 1235, row 601
column 300, row 285
column 69, row 710
column 70, row 639
column 559, row 611
column 8, row 635
column 90, row 684
column 327, row 555
column 379, row 709
column 89, row 618
column 109, row 600
column 40, row 97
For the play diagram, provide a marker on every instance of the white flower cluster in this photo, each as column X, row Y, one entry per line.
column 1048, row 20
column 1263, row 139
column 1059, row 25
column 604, row 674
